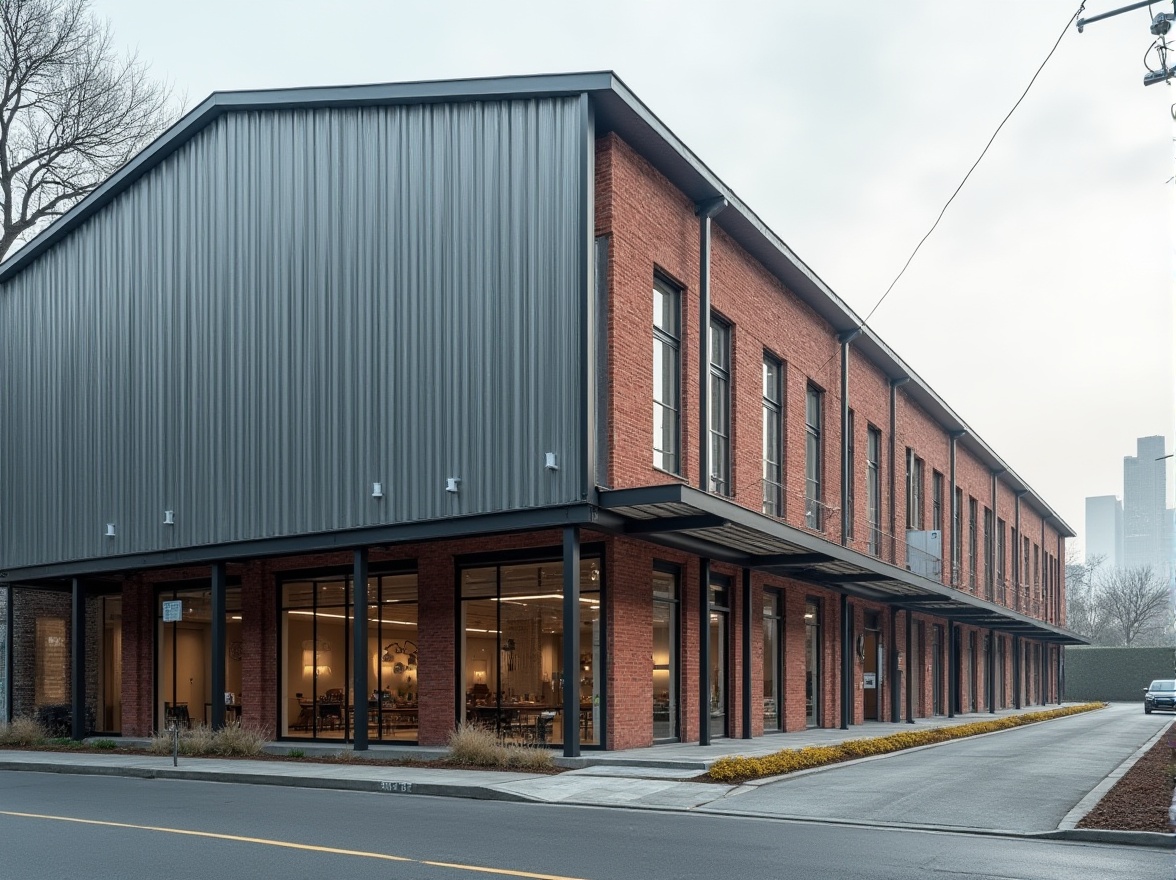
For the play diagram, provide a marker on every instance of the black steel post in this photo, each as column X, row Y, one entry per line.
column 359, row 645
column 746, row 645
column 704, row 652
column 9, row 629
column 1016, row 672
column 571, row 642
column 846, row 663
column 77, row 656
column 895, row 674
column 910, row 665
column 992, row 672
column 953, row 672
column 217, row 596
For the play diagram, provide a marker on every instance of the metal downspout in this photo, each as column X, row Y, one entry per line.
column 956, row 513
column 844, row 338
column 704, row 651
column 705, row 211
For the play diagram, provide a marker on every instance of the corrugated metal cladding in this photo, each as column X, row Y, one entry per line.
column 294, row 306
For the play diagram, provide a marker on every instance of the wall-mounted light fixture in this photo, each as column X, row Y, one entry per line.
column 377, row 490
column 552, row 461
column 110, row 530
column 451, row 484
column 169, row 517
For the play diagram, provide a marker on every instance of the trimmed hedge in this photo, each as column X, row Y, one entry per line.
column 739, row 769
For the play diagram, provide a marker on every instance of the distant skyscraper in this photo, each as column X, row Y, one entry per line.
column 1146, row 520
column 1104, row 529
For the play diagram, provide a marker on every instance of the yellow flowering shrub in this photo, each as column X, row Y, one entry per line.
column 738, row 768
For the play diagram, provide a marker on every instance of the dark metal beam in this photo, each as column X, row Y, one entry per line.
column 674, row 524
column 846, row 664
column 571, row 642
column 953, row 672
column 704, row 646
column 359, row 643
column 864, row 577
column 77, row 656
column 746, row 645
column 788, row 560
column 217, row 625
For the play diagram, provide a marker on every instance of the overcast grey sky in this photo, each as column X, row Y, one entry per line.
column 1041, row 309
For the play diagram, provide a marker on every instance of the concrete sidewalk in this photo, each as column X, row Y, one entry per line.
column 655, row 778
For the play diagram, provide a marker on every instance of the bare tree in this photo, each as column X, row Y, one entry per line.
column 71, row 113
column 1136, row 605
column 1084, row 614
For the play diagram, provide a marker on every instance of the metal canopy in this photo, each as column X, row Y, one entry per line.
column 685, row 518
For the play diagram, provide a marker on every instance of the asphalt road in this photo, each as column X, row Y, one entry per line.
column 175, row 830
column 1021, row 780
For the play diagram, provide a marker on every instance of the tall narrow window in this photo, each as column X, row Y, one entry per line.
column 914, row 493
column 813, row 472
column 937, row 500
column 988, row 567
column 972, row 555
column 773, row 405
column 1001, row 583
column 667, row 313
column 665, row 653
column 720, row 406
column 852, row 471
column 874, row 488
column 773, row 625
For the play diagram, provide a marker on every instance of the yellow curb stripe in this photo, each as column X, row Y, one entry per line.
column 286, row 844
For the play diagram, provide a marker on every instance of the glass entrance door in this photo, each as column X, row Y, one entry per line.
column 812, row 664
column 665, row 655
column 773, row 698
column 720, row 590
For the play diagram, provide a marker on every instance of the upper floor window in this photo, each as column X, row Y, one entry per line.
column 874, row 488
column 720, row 406
column 914, row 491
column 988, row 567
column 972, row 543
column 773, row 406
column 1000, row 554
column 937, row 500
column 957, row 535
column 667, row 368
column 813, row 471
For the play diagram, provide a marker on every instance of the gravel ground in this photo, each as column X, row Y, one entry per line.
column 1140, row 800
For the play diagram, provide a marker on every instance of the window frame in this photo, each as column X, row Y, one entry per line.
column 874, row 489
column 773, row 414
column 719, row 429
column 814, row 471
column 667, row 343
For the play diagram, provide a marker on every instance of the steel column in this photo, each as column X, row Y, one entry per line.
column 953, row 672
column 846, row 664
column 704, row 651
column 910, row 654
column 992, row 671
column 77, row 656
column 747, row 631
column 571, row 644
column 1017, row 573
column 359, row 646
column 217, row 679
column 895, row 683
column 705, row 211
column 1016, row 672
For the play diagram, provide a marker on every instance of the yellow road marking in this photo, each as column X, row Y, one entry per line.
column 286, row 844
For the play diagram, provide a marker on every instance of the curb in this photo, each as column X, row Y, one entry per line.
column 378, row 786
column 1121, row 838
column 1095, row 795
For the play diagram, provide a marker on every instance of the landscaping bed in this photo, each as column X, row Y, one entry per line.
column 1140, row 800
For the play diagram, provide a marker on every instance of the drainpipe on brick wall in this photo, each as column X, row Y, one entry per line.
column 705, row 211
column 894, row 384
column 993, row 538
column 845, row 337
column 77, row 658
column 955, row 511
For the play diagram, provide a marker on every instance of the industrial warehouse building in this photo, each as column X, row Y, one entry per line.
column 358, row 412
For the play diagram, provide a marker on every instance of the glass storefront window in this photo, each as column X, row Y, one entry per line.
column 719, row 591
column 512, row 669
column 771, row 661
column 812, row 664
column 110, row 666
column 184, row 680
column 317, row 621
column 665, row 655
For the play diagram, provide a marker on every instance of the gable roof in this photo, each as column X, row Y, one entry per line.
column 615, row 109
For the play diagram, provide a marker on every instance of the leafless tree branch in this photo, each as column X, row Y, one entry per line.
column 72, row 111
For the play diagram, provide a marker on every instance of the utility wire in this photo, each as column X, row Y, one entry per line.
column 1041, row 67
